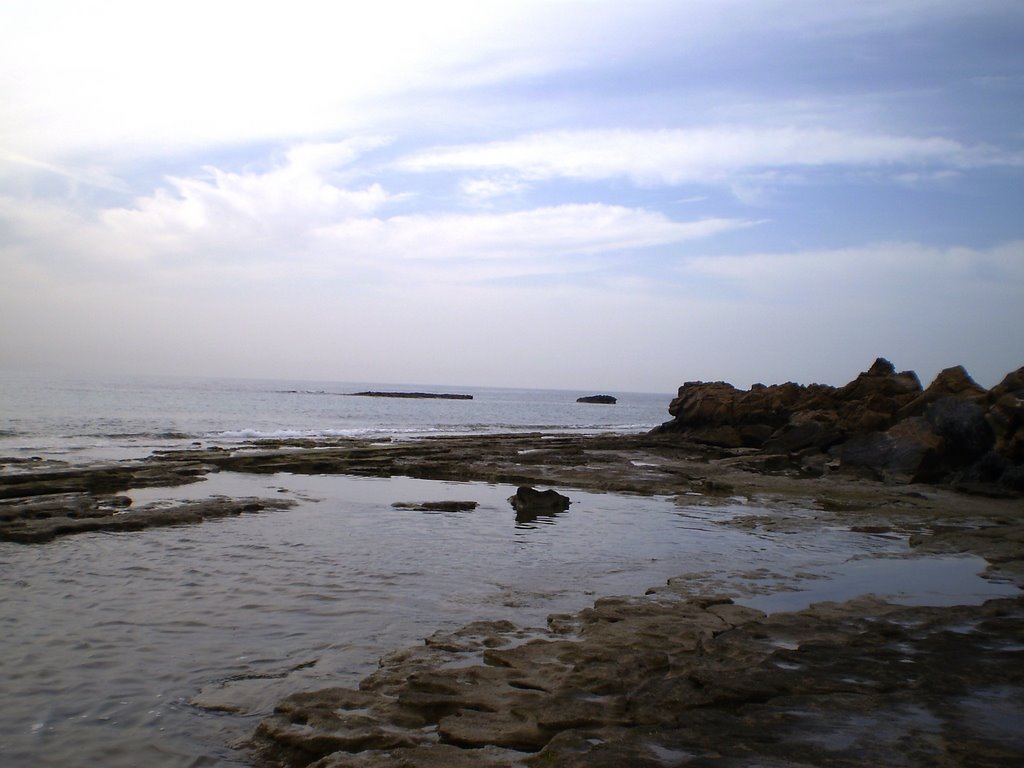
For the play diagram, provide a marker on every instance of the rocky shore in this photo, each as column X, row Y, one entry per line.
column 670, row 682
column 882, row 424
column 674, row 677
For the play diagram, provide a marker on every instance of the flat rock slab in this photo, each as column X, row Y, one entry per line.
column 39, row 519
column 415, row 395
column 437, row 506
column 695, row 682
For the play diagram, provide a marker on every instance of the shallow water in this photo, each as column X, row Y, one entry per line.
column 107, row 637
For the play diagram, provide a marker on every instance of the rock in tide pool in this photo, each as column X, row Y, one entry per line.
column 530, row 501
column 436, row 506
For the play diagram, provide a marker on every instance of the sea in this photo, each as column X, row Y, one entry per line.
column 88, row 419
column 165, row 647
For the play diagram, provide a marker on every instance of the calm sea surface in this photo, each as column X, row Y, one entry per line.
column 86, row 419
column 109, row 637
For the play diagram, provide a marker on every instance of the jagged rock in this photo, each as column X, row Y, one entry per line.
column 951, row 382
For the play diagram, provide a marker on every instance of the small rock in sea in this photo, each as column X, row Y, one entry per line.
column 601, row 399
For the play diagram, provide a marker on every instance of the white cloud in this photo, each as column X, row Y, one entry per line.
column 482, row 190
column 705, row 155
column 144, row 78
column 300, row 218
column 550, row 233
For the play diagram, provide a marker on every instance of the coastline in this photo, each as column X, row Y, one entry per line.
column 449, row 674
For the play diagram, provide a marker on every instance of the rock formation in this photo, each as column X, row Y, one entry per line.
column 415, row 395
column 882, row 423
column 600, row 399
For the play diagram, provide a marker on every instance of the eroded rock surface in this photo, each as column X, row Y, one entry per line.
column 661, row 682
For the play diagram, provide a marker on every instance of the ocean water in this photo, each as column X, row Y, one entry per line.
column 81, row 420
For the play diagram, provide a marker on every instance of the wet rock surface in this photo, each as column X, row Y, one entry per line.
column 658, row 681
column 661, row 464
column 39, row 519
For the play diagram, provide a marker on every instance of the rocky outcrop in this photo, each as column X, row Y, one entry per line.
column 599, row 399
column 882, row 424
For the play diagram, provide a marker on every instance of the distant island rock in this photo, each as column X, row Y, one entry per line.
column 419, row 395
column 602, row 399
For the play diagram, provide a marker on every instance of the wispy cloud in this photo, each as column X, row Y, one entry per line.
column 706, row 155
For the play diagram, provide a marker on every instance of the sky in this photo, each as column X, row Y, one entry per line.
column 560, row 194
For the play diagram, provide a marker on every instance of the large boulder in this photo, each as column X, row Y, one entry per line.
column 962, row 426
column 909, row 452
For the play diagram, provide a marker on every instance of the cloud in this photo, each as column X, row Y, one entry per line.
column 482, row 190
column 302, row 216
column 539, row 233
column 703, row 155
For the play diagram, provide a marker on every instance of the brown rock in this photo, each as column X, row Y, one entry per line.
column 1005, row 416
column 530, row 501
column 646, row 682
column 951, row 382
column 908, row 452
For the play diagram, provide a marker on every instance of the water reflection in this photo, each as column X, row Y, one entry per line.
column 529, row 519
